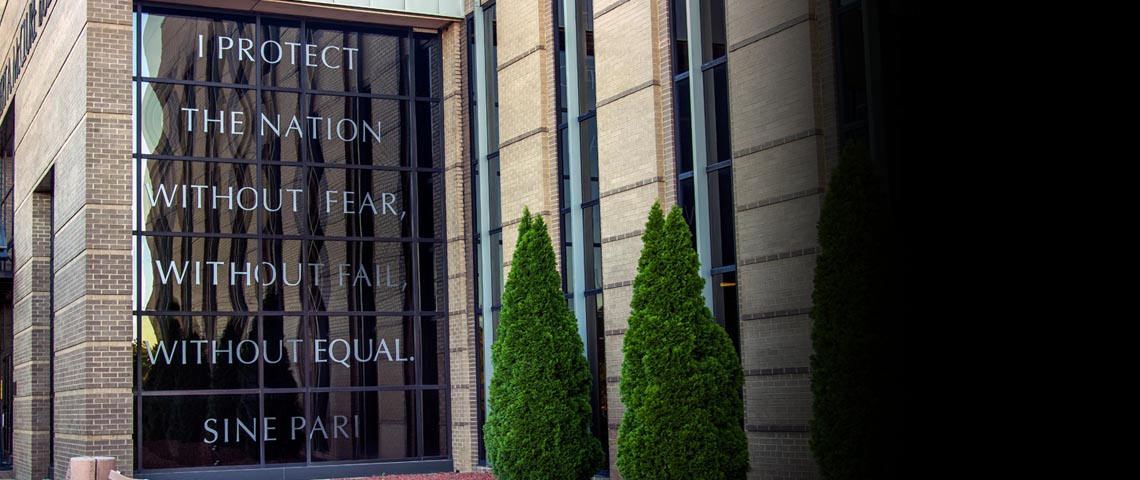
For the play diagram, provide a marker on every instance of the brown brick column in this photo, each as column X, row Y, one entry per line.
column 30, row 342
column 460, row 250
column 94, row 366
column 94, row 326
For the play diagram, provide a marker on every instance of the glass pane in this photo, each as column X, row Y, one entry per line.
column 586, row 20
column 361, row 351
column 199, row 430
column 688, row 208
column 492, row 79
column 180, row 196
column 342, row 425
column 429, row 70
column 595, row 308
column 680, row 36
column 684, row 127
column 186, row 274
column 280, row 275
column 430, row 191
column 354, row 131
column 277, row 40
column 358, row 203
column 433, row 350
column 429, row 122
column 199, row 353
column 718, row 133
column 281, row 128
column 284, row 200
column 338, row 60
column 725, row 306
column 721, row 218
column 358, row 276
column 435, row 417
column 204, row 47
column 564, row 167
column 496, row 268
column 397, row 425
column 590, row 159
column 713, row 28
column 283, row 352
column 432, row 278
column 593, row 266
column 285, row 427
column 494, row 187
column 191, row 121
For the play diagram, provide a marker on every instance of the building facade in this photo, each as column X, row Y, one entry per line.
column 269, row 238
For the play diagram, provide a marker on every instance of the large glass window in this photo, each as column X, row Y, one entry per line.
column 291, row 248
column 485, row 130
column 582, row 91
column 710, row 207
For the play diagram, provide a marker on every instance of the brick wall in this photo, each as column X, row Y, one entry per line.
column 635, row 157
column 782, row 111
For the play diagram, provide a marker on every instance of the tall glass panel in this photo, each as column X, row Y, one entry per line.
column 290, row 242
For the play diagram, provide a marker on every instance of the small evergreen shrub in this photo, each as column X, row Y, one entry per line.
column 538, row 419
column 681, row 377
column 848, row 307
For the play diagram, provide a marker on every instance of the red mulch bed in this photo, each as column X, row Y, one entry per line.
column 437, row 476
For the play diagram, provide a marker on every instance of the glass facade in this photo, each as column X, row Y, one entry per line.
column 578, row 95
column 290, row 300
column 485, row 178
column 709, row 208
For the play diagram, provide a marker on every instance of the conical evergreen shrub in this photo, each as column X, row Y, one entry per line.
column 538, row 420
column 848, row 308
column 681, row 378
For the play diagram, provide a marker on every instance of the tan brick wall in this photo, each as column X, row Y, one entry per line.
column 460, row 250
column 782, row 112
column 73, row 111
column 635, row 157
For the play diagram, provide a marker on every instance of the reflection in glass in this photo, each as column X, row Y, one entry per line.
column 356, row 62
column 429, row 147
column 283, row 351
column 190, row 121
column 721, row 225
column 361, row 351
column 280, row 137
column 358, row 203
column 285, row 205
column 429, row 66
column 179, row 196
column 492, row 42
column 713, row 28
column 725, row 305
column 435, row 416
column 185, row 274
column 245, row 313
column 285, row 427
column 684, row 126
column 358, row 276
column 430, row 191
column 280, row 73
column 433, row 350
column 199, row 353
column 397, row 425
column 343, row 426
column 357, row 131
column 718, row 143
column 203, row 47
column 199, row 430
